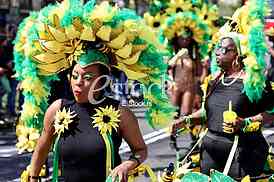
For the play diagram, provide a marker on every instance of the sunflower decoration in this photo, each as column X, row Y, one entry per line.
column 154, row 21
column 254, row 126
column 188, row 24
column 106, row 119
column 156, row 15
column 27, row 138
column 50, row 40
column 62, row 120
column 177, row 6
column 210, row 14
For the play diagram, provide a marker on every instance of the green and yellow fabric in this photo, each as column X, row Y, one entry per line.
column 187, row 24
column 202, row 14
column 49, row 41
column 246, row 26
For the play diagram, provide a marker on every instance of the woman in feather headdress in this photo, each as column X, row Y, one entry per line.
column 86, row 132
column 234, row 97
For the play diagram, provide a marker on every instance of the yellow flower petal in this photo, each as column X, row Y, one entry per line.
column 98, row 119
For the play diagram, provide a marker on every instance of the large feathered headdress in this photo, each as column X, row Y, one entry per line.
column 176, row 17
column 51, row 40
column 247, row 24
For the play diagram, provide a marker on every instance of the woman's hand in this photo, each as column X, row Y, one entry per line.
column 120, row 173
column 177, row 125
column 233, row 127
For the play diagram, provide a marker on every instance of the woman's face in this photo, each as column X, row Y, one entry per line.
column 184, row 42
column 226, row 53
column 84, row 81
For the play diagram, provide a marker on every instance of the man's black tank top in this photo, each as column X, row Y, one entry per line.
column 82, row 148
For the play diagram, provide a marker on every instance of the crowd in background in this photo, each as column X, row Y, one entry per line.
column 11, row 99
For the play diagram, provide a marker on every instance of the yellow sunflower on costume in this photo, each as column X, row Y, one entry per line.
column 27, row 138
column 154, row 21
column 176, row 6
column 105, row 119
column 209, row 14
column 62, row 120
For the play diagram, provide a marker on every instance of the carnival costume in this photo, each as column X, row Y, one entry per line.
column 247, row 97
column 193, row 21
column 51, row 40
column 160, row 10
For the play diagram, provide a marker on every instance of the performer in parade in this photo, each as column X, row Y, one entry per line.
column 234, row 98
column 86, row 132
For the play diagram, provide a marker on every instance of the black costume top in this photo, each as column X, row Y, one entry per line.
column 82, row 148
column 218, row 102
column 252, row 149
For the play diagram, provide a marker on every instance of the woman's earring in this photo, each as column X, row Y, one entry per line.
column 234, row 64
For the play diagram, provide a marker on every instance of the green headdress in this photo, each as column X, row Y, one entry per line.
column 178, row 24
column 246, row 26
column 197, row 13
column 93, row 56
column 51, row 40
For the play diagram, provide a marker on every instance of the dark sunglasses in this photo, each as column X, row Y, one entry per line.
column 223, row 50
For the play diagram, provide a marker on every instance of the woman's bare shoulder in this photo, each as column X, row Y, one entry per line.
column 50, row 114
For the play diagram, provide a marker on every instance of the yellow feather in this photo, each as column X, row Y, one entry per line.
column 48, row 58
column 53, row 46
column 29, row 111
column 129, row 61
column 87, row 34
column 119, row 41
column 42, row 31
column 137, row 48
column 103, row 12
column 57, row 34
column 36, row 87
column 72, row 33
column 125, row 51
column 56, row 21
column 104, row 33
column 50, row 69
column 77, row 24
column 131, row 74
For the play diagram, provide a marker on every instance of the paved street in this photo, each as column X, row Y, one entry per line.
column 160, row 154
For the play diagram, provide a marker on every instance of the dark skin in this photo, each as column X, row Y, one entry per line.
column 184, row 42
column 184, row 100
column 225, row 61
column 81, row 81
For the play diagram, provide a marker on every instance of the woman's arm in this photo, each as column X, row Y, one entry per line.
column 192, row 119
column 130, row 131
column 45, row 141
